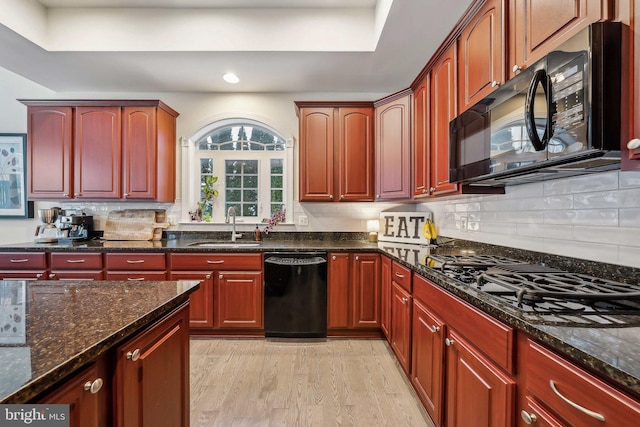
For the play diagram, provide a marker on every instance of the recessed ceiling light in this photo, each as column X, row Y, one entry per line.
column 231, row 78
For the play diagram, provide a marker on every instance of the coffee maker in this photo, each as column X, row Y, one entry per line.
column 48, row 232
column 79, row 225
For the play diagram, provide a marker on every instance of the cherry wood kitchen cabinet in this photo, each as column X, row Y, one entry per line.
column 629, row 13
column 353, row 294
column 88, row 395
column 442, row 110
column 385, row 296
column 23, row 265
column 400, row 322
column 476, row 372
column 151, row 378
column 421, row 137
column 231, row 290
column 393, row 146
column 427, row 360
column 336, row 151
column 49, row 152
column 557, row 392
column 481, row 55
column 537, row 27
column 134, row 266
column 76, row 266
column 100, row 149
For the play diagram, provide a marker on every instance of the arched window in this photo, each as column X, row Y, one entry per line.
column 242, row 164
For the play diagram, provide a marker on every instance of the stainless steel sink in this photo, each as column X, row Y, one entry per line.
column 218, row 244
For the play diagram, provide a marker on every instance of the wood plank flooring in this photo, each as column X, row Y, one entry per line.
column 268, row 382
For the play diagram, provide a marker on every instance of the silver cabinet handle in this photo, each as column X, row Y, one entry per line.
column 331, row 196
column 357, row 258
column 333, row 257
column 495, row 83
column 516, row 68
column 135, row 279
column 19, row 260
column 432, row 189
column 39, row 275
column 215, row 261
column 52, row 275
column 435, row 328
column 404, row 300
column 582, row 409
column 377, row 196
column 133, row 355
column 135, row 261
column 449, row 342
column 341, row 196
column 126, row 195
column 528, row 418
column 93, row 386
column 220, row 276
column 73, row 261
column 400, row 275
column 634, row 144
column 65, row 195
column 208, row 276
column 424, row 190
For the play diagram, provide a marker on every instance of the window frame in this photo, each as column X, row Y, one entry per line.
column 191, row 172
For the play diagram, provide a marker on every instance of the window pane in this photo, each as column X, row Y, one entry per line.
column 251, row 167
column 250, row 195
column 233, row 166
column 234, row 181
column 276, row 181
column 276, row 166
column 236, row 206
column 206, row 166
column 275, row 207
column 250, row 182
column 276, row 196
column 250, row 210
column 233, row 196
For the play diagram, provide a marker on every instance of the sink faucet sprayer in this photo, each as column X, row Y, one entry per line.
column 232, row 212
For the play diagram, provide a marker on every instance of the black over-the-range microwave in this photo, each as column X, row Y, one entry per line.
column 561, row 116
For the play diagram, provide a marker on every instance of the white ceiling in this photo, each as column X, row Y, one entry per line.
column 370, row 46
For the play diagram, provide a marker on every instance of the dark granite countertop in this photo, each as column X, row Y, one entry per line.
column 49, row 329
column 606, row 350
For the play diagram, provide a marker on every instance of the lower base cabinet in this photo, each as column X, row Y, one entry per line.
column 151, row 380
column 239, row 300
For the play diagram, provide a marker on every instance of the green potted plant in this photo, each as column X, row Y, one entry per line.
column 204, row 208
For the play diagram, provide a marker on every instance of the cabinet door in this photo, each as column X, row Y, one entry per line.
column 630, row 154
column 239, row 300
column 421, row 138
column 538, row 26
column 385, row 300
column 338, row 290
column 151, row 376
column 427, row 359
column 86, row 394
column 365, row 291
column 443, row 110
column 401, row 325
column 478, row 393
column 393, row 150
column 139, row 153
column 49, row 152
column 355, row 154
column 316, row 154
column 97, row 153
column 200, row 301
column 480, row 55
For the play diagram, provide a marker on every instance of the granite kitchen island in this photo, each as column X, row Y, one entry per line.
column 53, row 331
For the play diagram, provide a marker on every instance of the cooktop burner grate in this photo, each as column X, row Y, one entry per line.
column 469, row 261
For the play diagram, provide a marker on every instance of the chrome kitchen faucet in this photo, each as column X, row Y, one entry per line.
column 232, row 212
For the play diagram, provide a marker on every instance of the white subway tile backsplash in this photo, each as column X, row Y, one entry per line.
column 594, row 252
column 602, row 199
column 582, row 184
column 609, row 235
column 629, row 217
column 544, row 231
column 596, row 217
column 629, row 256
column 535, row 189
column 630, row 179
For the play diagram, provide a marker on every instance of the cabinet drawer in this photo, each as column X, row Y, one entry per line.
column 215, row 261
column 134, row 276
column 401, row 275
column 89, row 261
column 23, row 260
column 546, row 371
column 135, row 261
column 489, row 335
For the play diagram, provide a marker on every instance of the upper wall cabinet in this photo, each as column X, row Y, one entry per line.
column 94, row 150
column 481, row 55
column 630, row 153
column 537, row 26
column 393, row 147
column 421, row 137
column 336, row 151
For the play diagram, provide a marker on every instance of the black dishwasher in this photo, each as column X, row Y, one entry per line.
column 295, row 294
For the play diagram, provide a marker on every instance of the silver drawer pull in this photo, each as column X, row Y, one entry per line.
column 215, row 261
column 400, row 275
column 133, row 355
column 405, row 300
column 93, row 386
column 71, row 261
column 135, row 279
column 582, row 409
column 20, row 260
column 135, row 261
column 435, row 328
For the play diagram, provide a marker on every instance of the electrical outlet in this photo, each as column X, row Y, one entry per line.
column 303, row 220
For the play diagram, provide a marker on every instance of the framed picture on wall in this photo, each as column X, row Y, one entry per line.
column 13, row 195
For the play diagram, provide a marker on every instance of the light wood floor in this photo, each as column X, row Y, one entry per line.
column 268, row 382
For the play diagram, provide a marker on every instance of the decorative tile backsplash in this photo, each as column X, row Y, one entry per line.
column 594, row 217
